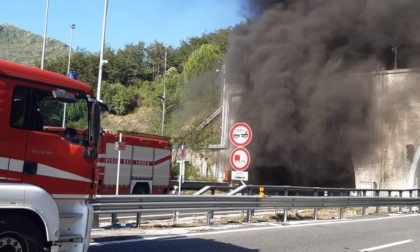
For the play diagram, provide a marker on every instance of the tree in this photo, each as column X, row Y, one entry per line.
column 128, row 65
column 123, row 99
column 155, row 58
column 218, row 38
column 84, row 63
column 201, row 60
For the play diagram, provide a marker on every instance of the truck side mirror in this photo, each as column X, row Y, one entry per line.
column 94, row 131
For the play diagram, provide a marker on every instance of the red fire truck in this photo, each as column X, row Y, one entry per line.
column 47, row 176
column 145, row 163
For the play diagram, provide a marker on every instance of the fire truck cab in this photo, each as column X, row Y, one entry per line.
column 47, row 175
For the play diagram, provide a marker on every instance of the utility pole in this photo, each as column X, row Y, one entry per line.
column 163, row 97
column 224, row 108
column 224, row 121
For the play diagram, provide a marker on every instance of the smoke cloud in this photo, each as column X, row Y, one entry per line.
column 302, row 68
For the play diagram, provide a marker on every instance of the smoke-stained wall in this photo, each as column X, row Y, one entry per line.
column 396, row 98
column 313, row 116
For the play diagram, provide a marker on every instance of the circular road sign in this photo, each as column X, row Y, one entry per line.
column 240, row 134
column 240, row 159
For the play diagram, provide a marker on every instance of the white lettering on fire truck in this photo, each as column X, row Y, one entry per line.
column 43, row 152
column 128, row 162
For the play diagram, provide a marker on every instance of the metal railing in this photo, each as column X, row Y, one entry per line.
column 203, row 187
column 110, row 204
column 323, row 191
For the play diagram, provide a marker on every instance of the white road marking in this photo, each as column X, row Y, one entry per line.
column 386, row 245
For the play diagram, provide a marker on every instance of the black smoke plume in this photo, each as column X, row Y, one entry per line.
column 302, row 68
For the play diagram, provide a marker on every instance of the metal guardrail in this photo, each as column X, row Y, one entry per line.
column 159, row 203
column 323, row 191
column 203, row 187
column 107, row 204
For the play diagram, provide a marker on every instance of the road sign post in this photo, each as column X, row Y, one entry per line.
column 120, row 145
column 240, row 135
column 181, row 168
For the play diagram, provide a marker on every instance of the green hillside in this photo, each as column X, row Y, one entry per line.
column 25, row 47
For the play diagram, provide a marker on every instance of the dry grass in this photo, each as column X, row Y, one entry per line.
column 292, row 215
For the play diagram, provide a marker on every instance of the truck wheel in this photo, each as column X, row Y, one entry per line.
column 141, row 189
column 19, row 234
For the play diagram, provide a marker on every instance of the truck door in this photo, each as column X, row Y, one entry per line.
column 52, row 161
column 13, row 146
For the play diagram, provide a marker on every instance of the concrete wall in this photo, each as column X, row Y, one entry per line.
column 396, row 99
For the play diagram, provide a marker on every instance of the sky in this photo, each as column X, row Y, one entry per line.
column 128, row 21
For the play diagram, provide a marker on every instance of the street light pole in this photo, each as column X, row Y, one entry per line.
column 101, row 59
column 164, row 97
column 45, row 35
column 72, row 26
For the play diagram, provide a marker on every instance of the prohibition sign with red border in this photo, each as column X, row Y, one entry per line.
column 240, row 159
column 240, row 134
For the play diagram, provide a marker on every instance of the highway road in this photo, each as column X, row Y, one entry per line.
column 372, row 233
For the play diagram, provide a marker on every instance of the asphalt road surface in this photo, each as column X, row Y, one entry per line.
column 379, row 233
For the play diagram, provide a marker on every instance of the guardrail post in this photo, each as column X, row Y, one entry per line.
column 176, row 216
column 249, row 214
column 418, row 195
column 376, row 195
column 400, row 194
column 95, row 223
column 114, row 219
column 411, row 196
column 286, row 193
column 363, row 211
column 341, row 209
column 389, row 195
column 209, row 217
column 138, row 220
column 316, row 209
